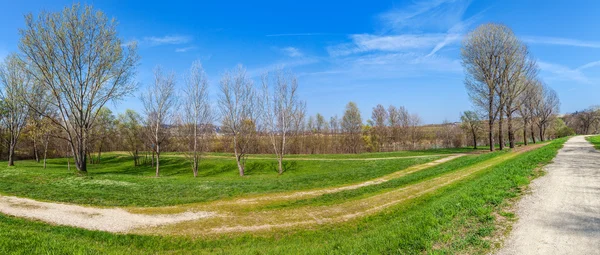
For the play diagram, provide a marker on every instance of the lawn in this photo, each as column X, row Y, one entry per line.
column 457, row 218
column 115, row 182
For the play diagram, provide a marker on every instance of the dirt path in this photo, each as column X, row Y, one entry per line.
column 240, row 215
column 105, row 219
column 562, row 214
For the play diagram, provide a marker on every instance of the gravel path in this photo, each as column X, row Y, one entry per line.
column 105, row 219
column 562, row 214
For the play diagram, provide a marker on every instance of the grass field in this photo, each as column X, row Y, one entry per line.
column 595, row 140
column 459, row 216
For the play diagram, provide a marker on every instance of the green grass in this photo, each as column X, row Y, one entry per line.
column 412, row 178
column 595, row 140
column 458, row 218
column 116, row 182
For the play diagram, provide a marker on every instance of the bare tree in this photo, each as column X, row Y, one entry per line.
column 130, row 127
column 77, row 57
column 380, row 119
column 352, row 127
column 472, row 123
column 486, row 57
column 546, row 109
column 280, row 109
column 159, row 104
column 14, row 79
column 237, row 102
column 197, row 112
column 521, row 70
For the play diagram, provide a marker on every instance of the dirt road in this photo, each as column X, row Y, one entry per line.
column 562, row 214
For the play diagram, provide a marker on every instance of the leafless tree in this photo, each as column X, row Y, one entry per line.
column 280, row 108
column 238, row 106
column 473, row 125
column 380, row 119
column 77, row 57
column 486, row 57
column 546, row 109
column 197, row 113
column 14, row 79
column 521, row 70
column 130, row 128
column 352, row 127
column 528, row 99
column 159, row 105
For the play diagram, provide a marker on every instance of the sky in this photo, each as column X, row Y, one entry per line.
column 405, row 53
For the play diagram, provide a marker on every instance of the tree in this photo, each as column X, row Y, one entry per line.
column 527, row 106
column 13, row 78
column 380, row 119
column 547, row 107
column 77, row 58
column 159, row 104
column 281, row 107
column 352, row 127
column 521, row 71
column 130, row 128
column 197, row 112
column 472, row 123
column 104, row 127
column 238, row 106
column 487, row 54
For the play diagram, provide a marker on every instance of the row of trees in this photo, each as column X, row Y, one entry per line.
column 72, row 63
column 502, row 82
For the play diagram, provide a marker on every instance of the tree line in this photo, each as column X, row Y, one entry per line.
column 72, row 63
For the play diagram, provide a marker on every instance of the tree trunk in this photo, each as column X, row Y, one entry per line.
column 541, row 132
column 157, row 160
column 45, row 151
column 524, row 131
column 501, row 132
column 533, row 133
column 11, row 154
column 237, row 156
column 511, row 132
column 474, row 139
column 491, row 134
column 35, row 150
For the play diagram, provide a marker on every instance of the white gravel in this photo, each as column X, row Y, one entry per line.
column 562, row 213
column 104, row 219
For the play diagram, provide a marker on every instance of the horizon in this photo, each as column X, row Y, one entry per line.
column 401, row 53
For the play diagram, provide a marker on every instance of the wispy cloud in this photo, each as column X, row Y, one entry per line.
column 297, row 34
column 367, row 42
column 560, row 41
column 589, row 65
column 292, row 52
column 432, row 14
column 560, row 72
column 186, row 49
column 255, row 72
column 167, row 40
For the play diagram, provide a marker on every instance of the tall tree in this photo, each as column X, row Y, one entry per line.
column 546, row 109
column 159, row 105
column 130, row 128
column 486, row 56
column 77, row 57
column 281, row 107
column 238, row 106
column 380, row 119
column 197, row 113
column 14, row 79
column 471, row 123
column 352, row 126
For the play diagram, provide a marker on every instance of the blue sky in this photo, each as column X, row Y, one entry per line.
column 371, row 52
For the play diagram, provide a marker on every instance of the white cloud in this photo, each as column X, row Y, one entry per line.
column 292, row 52
column 560, row 72
column 296, row 34
column 367, row 42
column 560, row 41
column 436, row 14
column 186, row 49
column 589, row 65
column 167, row 40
